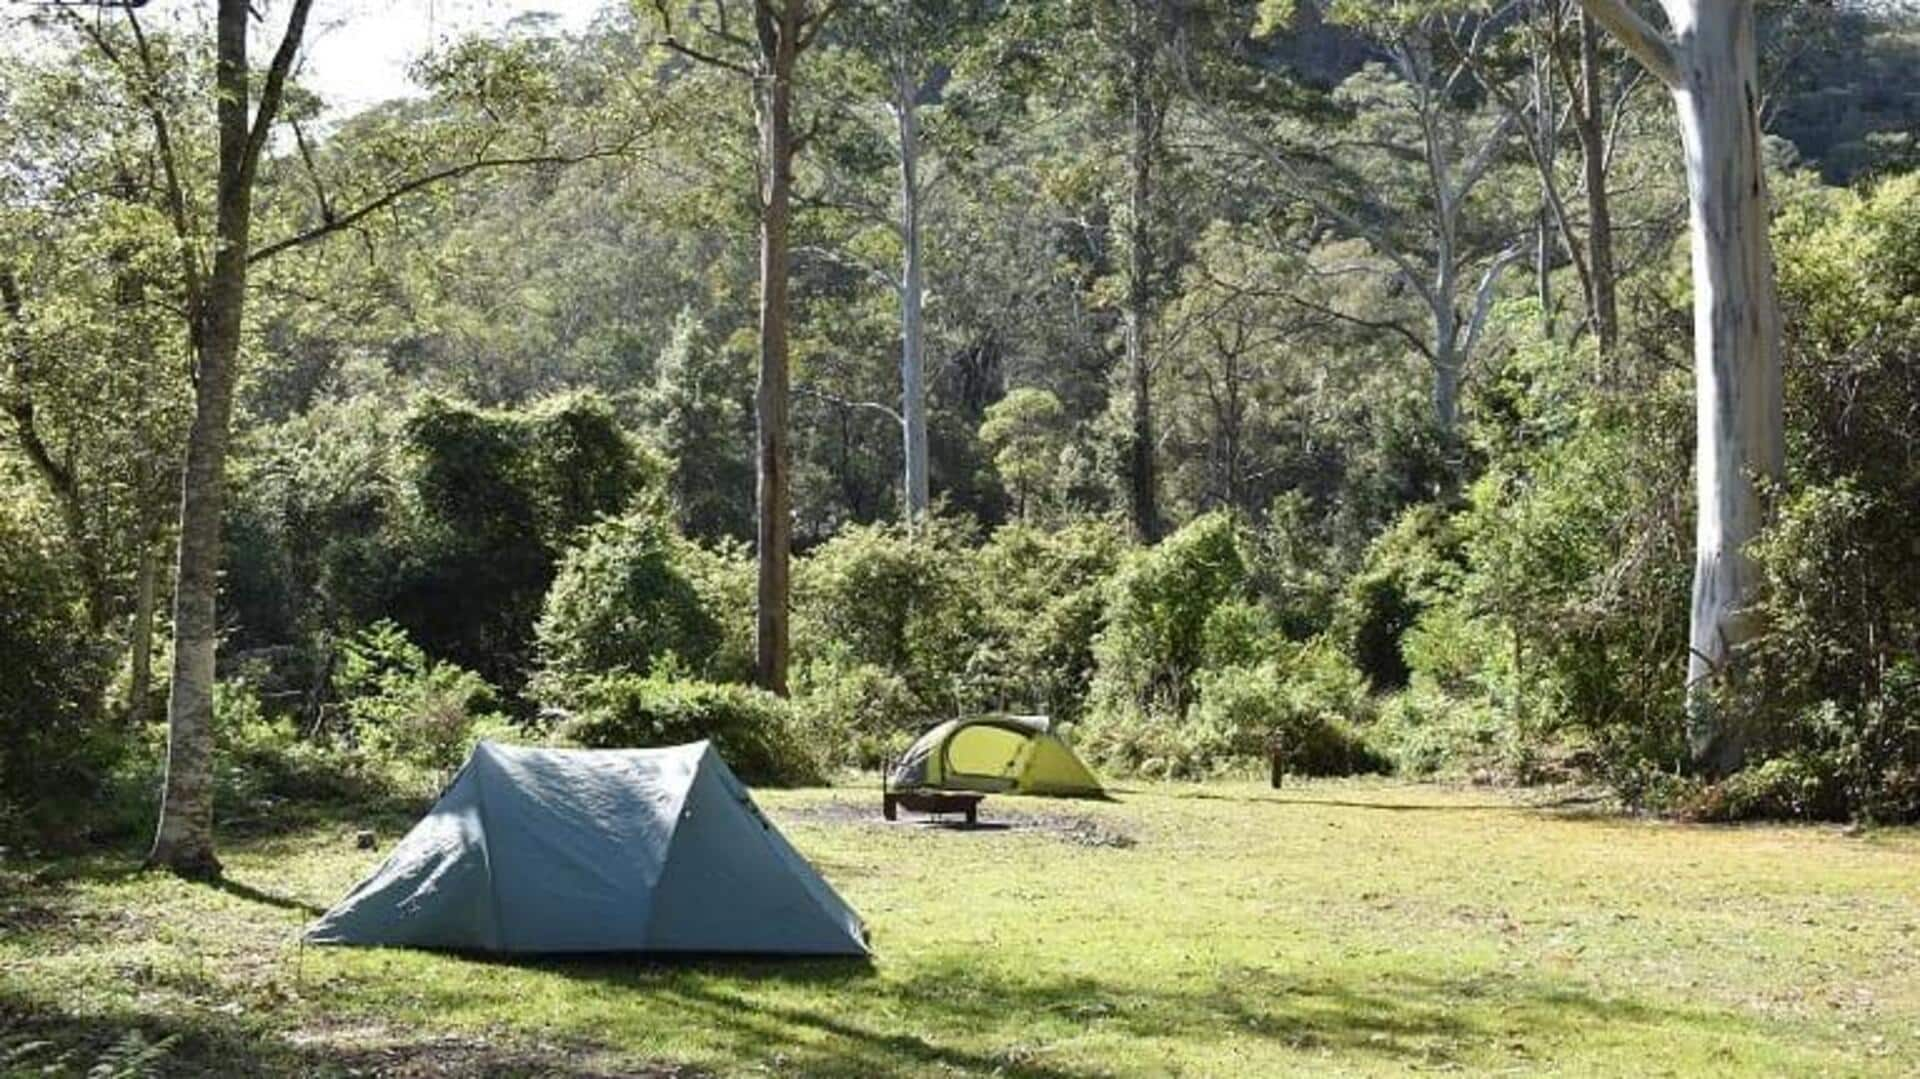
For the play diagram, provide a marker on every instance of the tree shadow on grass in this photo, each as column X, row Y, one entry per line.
column 40, row 1036
column 971, row 1018
column 252, row 894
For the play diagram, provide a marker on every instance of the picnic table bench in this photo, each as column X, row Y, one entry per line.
column 929, row 801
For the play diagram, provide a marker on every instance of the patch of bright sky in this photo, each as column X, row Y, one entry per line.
column 358, row 51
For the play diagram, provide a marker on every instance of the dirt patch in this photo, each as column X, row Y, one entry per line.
column 1079, row 829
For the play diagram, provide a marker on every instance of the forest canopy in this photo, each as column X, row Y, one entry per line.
column 1209, row 375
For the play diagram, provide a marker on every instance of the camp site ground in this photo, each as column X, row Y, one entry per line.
column 1225, row 929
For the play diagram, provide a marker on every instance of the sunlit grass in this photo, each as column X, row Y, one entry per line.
column 1339, row 928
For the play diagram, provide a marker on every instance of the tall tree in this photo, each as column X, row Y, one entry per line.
column 1147, row 97
column 183, row 841
column 769, row 59
column 1709, row 62
column 1407, row 178
column 904, row 56
column 214, row 274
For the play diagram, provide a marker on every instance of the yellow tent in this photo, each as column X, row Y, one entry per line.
column 995, row 753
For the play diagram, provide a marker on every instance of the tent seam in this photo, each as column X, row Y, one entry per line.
column 486, row 857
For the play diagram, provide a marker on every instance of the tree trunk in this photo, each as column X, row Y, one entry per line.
column 1737, row 376
column 777, row 27
column 183, row 842
column 1590, row 126
column 140, row 637
column 1447, row 361
column 1543, row 269
column 1142, row 483
column 913, row 392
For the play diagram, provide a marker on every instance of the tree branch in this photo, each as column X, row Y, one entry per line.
column 417, row 184
column 662, row 11
column 1483, row 300
column 834, row 399
column 1648, row 45
column 274, row 87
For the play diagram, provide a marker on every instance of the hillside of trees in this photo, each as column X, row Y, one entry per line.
column 1319, row 375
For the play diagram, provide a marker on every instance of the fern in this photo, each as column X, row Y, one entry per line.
column 132, row 1056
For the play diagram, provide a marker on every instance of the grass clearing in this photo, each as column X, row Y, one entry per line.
column 1224, row 929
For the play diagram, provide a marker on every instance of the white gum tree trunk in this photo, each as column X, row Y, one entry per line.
column 1710, row 65
column 913, row 364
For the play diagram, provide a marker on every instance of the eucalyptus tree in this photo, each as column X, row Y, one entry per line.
column 906, row 87
column 1708, row 59
column 91, row 378
column 1552, row 78
column 1403, row 160
column 211, row 203
column 762, row 42
column 1118, row 63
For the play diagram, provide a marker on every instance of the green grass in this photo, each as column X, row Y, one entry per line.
column 1337, row 928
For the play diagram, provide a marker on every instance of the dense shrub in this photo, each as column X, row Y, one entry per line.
column 1406, row 568
column 1170, row 610
column 621, row 603
column 53, row 750
column 446, row 518
column 1426, row 732
column 1310, row 706
column 902, row 601
column 403, row 707
column 1295, row 567
column 862, row 715
column 1043, row 597
column 726, row 579
column 754, row 731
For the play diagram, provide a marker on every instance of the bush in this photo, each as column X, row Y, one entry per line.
column 1043, row 594
column 1794, row 786
column 1427, row 733
column 754, row 731
column 863, row 715
column 620, row 604
column 1165, row 620
column 1407, row 567
column 904, row 602
column 53, row 750
column 1308, row 707
column 403, row 707
column 1310, row 702
column 262, row 761
column 726, row 578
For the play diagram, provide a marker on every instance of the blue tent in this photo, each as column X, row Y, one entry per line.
column 577, row 850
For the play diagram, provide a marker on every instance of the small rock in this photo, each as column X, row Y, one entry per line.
column 363, row 839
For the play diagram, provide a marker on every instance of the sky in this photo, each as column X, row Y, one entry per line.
column 358, row 50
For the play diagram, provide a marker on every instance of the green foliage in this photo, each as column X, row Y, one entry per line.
column 403, row 706
column 701, row 417
column 53, row 745
column 862, row 714
column 1309, row 706
column 1406, row 568
column 754, row 731
column 448, row 519
column 263, row 764
column 1043, row 595
column 902, row 600
column 621, row 603
column 1170, row 609
column 1025, row 432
